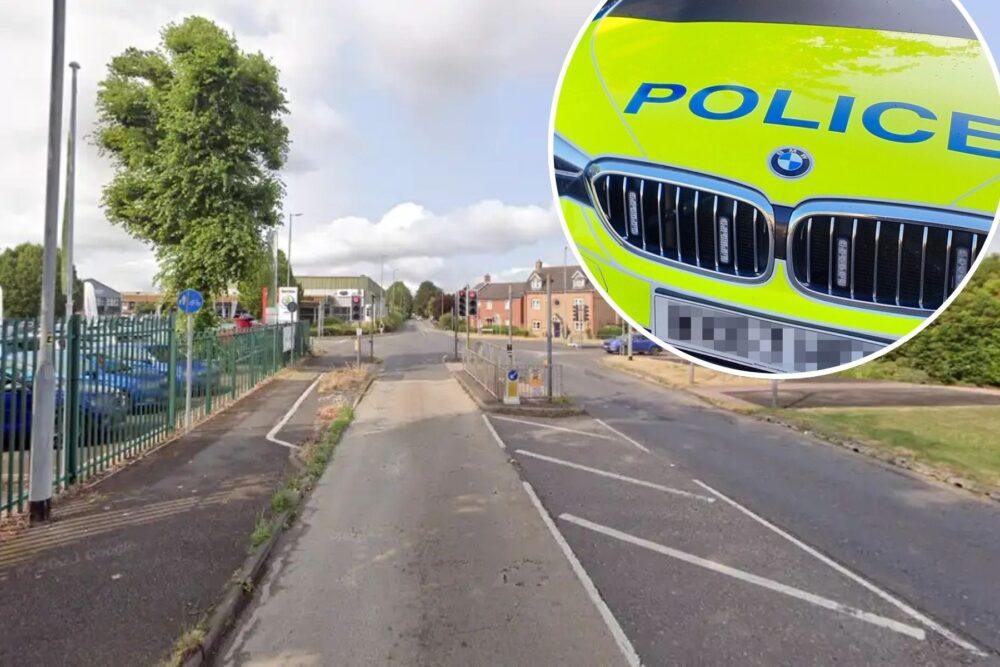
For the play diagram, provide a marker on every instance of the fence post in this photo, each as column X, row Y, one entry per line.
column 172, row 375
column 72, row 370
column 211, row 339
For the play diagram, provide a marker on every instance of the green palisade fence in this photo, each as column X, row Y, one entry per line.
column 120, row 388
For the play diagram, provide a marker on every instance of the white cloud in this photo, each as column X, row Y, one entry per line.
column 420, row 244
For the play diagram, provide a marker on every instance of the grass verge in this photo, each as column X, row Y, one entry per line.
column 959, row 442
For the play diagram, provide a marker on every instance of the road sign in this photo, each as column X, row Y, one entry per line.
column 288, row 304
column 511, row 394
column 190, row 301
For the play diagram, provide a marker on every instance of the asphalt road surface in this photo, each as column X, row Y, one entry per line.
column 694, row 537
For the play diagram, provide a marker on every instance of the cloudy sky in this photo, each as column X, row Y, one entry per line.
column 419, row 129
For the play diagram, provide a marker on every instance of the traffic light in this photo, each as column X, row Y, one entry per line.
column 356, row 308
column 576, row 312
column 461, row 303
column 586, row 313
column 473, row 303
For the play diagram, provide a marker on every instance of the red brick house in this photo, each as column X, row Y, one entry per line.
column 493, row 307
column 570, row 287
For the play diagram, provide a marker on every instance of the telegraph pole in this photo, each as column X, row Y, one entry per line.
column 67, row 236
column 371, row 330
column 548, row 338
column 468, row 319
column 44, row 390
column 454, row 321
column 630, row 341
column 510, row 325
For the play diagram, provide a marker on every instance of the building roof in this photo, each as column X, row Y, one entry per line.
column 101, row 287
column 555, row 274
column 315, row 285
column 500, row 290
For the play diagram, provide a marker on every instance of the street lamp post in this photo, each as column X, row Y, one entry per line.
column 44, row 390
column 288, row 259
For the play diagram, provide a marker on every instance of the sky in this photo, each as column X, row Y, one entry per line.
column 419, row 129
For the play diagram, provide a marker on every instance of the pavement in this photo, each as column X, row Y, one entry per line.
column 695, row 536
column 128, row 565
column 419, row 546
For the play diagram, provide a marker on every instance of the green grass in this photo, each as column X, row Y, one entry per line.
column 261, row 532
column 887, row 370
column 963, row 441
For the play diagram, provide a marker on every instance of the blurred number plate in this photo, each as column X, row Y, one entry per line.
column 765, row 344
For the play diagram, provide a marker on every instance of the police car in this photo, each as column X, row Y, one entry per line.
column 778, row 186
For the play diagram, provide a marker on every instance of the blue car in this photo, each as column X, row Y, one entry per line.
column 640, row 345
column 155, row 358
column 145, row 387
column 103, row 409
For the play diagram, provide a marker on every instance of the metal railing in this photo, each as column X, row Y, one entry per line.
column 120, row 385
column 489, row 365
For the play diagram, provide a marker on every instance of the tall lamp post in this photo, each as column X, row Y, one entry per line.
column 288, row 259
column 44, row 389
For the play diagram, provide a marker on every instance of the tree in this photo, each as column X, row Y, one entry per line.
column 195, row 132
column 426, row 291
column 399, row 297
column 21, row 279
column 262, row 275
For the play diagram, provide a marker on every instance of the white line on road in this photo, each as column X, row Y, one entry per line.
column 553, row 428
column 888, row 597
column 621, row 435
column 493, row 431
column 288, row 415
column 770, row 584
column 614, row 475
column 628, row 651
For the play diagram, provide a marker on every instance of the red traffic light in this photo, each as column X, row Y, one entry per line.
column 355, row 299
column 472, row 294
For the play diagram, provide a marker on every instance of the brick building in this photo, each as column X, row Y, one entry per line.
column 493, row 307
column 570, row 287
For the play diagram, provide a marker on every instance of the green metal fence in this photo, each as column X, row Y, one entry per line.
column 121, row 388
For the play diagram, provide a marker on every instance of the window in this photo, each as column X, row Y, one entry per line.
column 536, row 283
column 536, row 304
column 578, row 302
column 536, row 325
column 578, row 282
column 489, row 305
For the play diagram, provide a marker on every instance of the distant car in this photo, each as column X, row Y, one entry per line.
column 640, row 345
column 154, row 359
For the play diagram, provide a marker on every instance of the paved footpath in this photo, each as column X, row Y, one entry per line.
column 420, row 546
column 126, row 567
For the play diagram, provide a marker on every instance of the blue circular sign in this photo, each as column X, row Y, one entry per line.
column 512, row 375
column 190, row 301
column 791, row 162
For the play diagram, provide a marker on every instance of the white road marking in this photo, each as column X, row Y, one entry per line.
column 621, row 435
column 888, row 597
column 493, row 431
column 763, row 582
column 553, row 428
column 624, row 645
column 288, row 415
column 614, row 475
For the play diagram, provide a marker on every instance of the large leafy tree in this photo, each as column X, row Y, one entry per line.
column 195, row 130
column 21, row 280
column 399, row 298
column 426, row 292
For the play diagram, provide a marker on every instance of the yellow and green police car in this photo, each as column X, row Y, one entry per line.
column 778, row 185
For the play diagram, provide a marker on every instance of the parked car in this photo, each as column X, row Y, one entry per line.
column 640, row 345
column 145, row 387
column 104, row 411
column 154, row 358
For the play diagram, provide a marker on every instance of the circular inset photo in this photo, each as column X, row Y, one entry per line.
column 778, row 186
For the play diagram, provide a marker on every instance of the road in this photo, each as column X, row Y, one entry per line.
column 705, row 537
